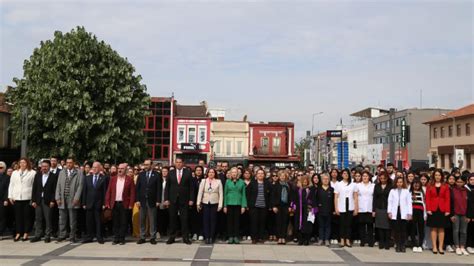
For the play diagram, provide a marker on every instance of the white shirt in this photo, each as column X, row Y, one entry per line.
column 403, row 200
column 163, row 186
column 45, row 179
column 21, row 185
column 343, row 191
column 365, row 196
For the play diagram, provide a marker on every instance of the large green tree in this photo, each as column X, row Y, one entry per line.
column 83, row 100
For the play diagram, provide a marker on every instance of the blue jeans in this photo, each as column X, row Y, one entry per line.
column 324, row 227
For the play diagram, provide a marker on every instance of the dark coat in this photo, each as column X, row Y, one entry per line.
column 183, row 191
column 252, row 191
column 49, row 190
column 94, row 197
column 149, row 189
column 4, row 184
column 302, row 203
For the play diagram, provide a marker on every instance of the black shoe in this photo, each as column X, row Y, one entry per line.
column 170, row 241
column 100, row 241
column 73, row 240
column 403, row 249
column 47, row 240
column 122, row 242
column 387, row 247
column 23, row 239
column 306, row 243
column 208, row 241
column 187, row 241
column 300, row 243
column 61, row 239
column 86, row 241
column 35, row 239
column 141, row 241
column 153, row 241
column 115, row 242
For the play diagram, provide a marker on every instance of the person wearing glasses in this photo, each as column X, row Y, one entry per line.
column 210, row 200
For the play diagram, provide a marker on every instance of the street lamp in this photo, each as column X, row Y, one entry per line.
column 312, row 134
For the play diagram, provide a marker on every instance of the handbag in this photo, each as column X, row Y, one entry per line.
column 106, row 215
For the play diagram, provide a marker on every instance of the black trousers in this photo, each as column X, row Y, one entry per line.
column 94, row 224
column 345, row 225
column 258, row 221
column 163, row 221
column 399, row 227
column 23, row 216
column 281, row 221
column 417, row 228
column 384, row 237
column 366, row 228
column 196, row 221
column 119, row 215
column 233, row 220
column 245, row 224
column 335, row 227
column 183, row 210
column 209, row 216
column 271, row 223
column 3, row 218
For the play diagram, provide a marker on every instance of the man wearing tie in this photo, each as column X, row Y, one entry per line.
column 68, row 198
column 148, row 197
column 179, row 193
column 93, row 197
column 44, row 189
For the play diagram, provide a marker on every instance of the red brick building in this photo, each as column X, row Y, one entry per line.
column 158, row 129
column 192, row 133
column 272, row 144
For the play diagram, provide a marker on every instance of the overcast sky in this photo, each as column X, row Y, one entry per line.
column 274, row 61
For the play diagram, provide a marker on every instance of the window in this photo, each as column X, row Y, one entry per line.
column 228, row 147
column 458, row 130
column 202, row 135
column 450, row 131
column 435, row 133
column 468, row 160
column 181, row 136
column 276, row 145
column 191, row 134
column 442, row 161
column 265, row 142
column 238, row 147
column 468, row 129
column 150, row 122
column 217, row 147
column 397, row 122
column 441, row 132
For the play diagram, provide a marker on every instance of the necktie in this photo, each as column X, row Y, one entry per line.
column 179, row 176
column 95, row 180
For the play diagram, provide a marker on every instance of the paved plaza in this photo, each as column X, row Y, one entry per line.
column 218, row 254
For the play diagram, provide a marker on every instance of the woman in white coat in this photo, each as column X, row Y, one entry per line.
column 19, row 194
column 399, row 211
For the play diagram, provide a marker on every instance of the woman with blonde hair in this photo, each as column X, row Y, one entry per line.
column 302, row 205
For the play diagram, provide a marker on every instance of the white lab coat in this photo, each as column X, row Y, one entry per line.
column 406, row 207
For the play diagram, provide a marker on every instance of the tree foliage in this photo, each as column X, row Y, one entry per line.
column 83, row 100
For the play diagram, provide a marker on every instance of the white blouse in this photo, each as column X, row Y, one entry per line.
column 365, row 194
column 343, row 191
column 21, row 185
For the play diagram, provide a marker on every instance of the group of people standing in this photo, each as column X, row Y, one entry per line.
column 430, row 209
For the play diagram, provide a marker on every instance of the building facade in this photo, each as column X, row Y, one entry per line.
column 158, row 129
column 191, row 137
column 9, row 149
column 409, row 136
column 452, row 139
column 272, row 144
column 230, row 141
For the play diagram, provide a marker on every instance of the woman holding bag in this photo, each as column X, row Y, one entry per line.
column 210, row 200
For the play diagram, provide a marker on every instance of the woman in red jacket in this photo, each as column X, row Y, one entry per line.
column 437, row 208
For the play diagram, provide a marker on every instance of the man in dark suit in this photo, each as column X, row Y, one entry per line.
column 55, row 169
column 43, row 200
column 148, row 198
column 4, row 184
column 179, row 192
column 93, row 197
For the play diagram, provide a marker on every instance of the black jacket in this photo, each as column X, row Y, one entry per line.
column 276, row 195
column 4, row 184
column 325, row 200
column 381, row 197
column 149, row 190
column 253, row 192
column 470, row 202
column 94, row 197
column 184, row 192
column 49, row 190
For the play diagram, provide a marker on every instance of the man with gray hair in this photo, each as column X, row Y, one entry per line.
column 4, row 183
column 68, row 199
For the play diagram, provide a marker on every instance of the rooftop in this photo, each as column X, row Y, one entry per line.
column 461, row 112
